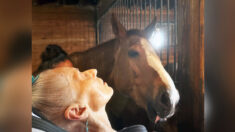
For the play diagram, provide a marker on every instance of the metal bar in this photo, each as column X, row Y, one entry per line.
column 126, row 13
column 155, row 7
column 133, row 8
column 161, row 21
column 130, row 14
column 140, row 14
column 100, row 32
column 118, row 8
column 136, row 5
column 123, row 12
column 106, row 10
column 168, row 34
column 150, row 11
column 144, row 13
column 127, row 9
column 104, row 32
column 114, row 9
column 176, row 39
column 161, row 9
column 97, row 27
column 133, row 13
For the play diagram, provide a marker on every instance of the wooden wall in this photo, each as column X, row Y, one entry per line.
column 191, row 56
column 71, row 27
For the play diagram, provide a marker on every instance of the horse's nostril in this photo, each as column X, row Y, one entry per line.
column 165, row 100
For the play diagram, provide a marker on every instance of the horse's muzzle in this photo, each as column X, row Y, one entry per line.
column 161, row 107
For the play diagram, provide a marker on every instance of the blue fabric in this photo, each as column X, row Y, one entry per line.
column 34, row 79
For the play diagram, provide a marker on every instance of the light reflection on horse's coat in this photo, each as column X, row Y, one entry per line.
column 129, row 64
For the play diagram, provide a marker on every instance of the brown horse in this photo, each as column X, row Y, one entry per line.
column 129, row 64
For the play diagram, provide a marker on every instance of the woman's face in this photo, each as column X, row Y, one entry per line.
column 90, row 89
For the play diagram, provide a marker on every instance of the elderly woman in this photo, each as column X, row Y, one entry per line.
column 75, row 101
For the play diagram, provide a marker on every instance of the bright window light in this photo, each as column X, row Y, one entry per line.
column 157, row 39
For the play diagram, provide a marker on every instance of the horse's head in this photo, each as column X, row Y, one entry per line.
column 139, row 73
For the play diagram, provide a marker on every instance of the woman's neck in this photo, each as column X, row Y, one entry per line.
column 97, row 122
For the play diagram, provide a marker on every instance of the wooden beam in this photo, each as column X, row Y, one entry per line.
column 191, row 57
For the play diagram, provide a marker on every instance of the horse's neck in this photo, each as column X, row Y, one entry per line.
column 100, row 58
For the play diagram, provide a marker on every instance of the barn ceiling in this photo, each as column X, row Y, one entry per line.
column 102, row 5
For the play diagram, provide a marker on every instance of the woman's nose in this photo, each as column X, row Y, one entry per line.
column 91, row 72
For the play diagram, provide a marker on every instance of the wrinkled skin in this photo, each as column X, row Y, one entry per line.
column 75, row 97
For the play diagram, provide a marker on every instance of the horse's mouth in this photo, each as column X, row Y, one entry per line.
column 154, row 116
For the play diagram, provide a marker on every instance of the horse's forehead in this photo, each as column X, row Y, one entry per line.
column 151, row 57
column 146, row 47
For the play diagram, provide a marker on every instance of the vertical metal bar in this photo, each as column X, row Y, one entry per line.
column 116, row 9
column 155, row 7
column 133, row 13
column 118, row 3
column 97, row 27
column 121, row 9
column 129, row 14
column 100, row 32
column 161, row 9
column 136, row 5
column 161, row 21
column 133, row 8
column 168, row 34
column 140, row 14
column 104, row 32
column 144, row 13
column 124, row 12
column 176, row 39
column 150, row 11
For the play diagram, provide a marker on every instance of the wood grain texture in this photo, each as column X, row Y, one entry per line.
column 191, row 40
column 70, row 27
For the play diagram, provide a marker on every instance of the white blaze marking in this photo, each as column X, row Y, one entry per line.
column 156, row 64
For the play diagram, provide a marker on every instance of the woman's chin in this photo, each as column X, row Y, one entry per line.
column 110, row 92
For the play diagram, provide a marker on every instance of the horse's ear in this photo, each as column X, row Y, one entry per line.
column 148, row 31
column 118, row 29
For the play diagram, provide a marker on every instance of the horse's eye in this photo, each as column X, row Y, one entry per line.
column 133, row 53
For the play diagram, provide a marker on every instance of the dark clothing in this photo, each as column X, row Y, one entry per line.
column 41, row 123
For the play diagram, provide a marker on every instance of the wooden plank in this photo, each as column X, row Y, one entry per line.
column 191, row 60
column 70, row 27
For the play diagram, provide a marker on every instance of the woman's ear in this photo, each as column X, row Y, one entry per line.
column 76, row 112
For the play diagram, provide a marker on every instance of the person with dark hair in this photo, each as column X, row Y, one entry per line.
column 53, row 56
